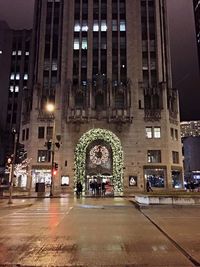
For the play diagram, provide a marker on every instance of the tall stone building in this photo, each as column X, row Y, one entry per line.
column 14, row 66
column 105, row 65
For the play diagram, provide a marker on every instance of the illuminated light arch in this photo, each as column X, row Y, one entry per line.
column 117, row 153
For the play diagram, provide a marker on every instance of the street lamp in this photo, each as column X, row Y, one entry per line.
column 11, row 175
column 50, row 107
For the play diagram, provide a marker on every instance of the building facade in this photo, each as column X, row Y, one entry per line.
column 105, row 65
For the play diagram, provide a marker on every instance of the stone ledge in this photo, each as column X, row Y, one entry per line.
column 167, row 199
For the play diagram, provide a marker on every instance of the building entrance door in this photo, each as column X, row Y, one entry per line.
column 99, row 185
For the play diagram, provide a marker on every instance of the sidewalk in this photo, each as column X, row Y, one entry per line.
column 16, row 203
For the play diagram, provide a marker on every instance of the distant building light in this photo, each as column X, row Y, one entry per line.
column 1, row 52
column 11, row 88
column 12, row 76
column 17, row 77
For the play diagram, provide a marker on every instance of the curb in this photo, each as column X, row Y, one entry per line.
column 13, row 206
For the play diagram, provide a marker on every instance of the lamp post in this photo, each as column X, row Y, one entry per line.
column 11, row 175
column 51, row 108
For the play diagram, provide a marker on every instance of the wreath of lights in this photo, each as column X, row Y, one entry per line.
column 99, row 154
column 117, row 154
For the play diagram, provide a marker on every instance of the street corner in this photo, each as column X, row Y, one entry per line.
column 4, row 204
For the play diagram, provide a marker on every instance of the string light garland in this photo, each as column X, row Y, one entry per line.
column 80, row 155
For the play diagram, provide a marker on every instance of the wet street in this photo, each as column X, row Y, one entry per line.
column 98, row 232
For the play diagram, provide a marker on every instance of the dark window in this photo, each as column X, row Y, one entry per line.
column 27, row 133
column 23, row 135
column 49, row 133
column 175, row 157
column 41, row 132
column 14, row 118
column 8, row 118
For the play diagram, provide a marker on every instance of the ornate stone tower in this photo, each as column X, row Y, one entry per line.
column 105, row 65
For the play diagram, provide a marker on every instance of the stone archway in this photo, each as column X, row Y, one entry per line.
column 117, row 153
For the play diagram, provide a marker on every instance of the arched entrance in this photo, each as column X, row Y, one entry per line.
column 99, row 151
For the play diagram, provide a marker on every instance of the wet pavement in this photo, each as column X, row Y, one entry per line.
column 98, row 232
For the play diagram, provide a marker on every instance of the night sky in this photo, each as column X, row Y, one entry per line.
column 19, row 13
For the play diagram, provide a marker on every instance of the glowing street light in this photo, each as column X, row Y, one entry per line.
column 50, row 107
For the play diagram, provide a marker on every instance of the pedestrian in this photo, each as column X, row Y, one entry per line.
column 103, row 188
column 92, row 186
column 79, row 189
column 148, row 186
column 192, row 186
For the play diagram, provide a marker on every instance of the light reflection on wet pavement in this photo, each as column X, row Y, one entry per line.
column 84, row 232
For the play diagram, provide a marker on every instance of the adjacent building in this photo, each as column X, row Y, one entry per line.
column 190, row 133
column 5, row 48
column 196, row 4
column 14, row 65
column 190, row 128
column 105, row 66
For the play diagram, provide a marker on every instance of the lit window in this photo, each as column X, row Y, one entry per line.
column 157, row 133
column 54, row 65
column 19, row 52
column 11, row 88
column 25, row 76
column 1, row 52
column 17, row 88
column 145, row 63
column 43, row 156
column 27, row 53
column 122, row 26
column 96, row 26
column 12, row 76
column 76, row 44
column 84, row 26
column 154, row 156
column 84, row 43
column 149, row 132
column 17, row 77
column 103, row 26
column 14, row 53
column 64, row 180
column 77, row 26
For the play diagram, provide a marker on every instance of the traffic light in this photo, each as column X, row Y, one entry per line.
column 55, row 166
column 54, row 172
column 57, row 144
column 20, row 153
